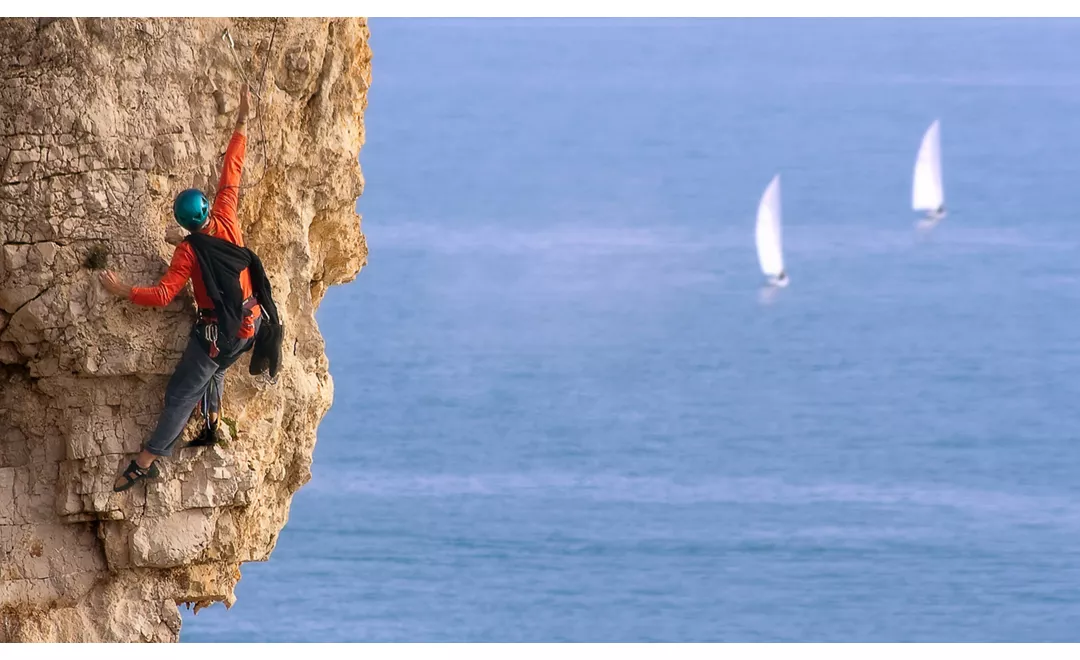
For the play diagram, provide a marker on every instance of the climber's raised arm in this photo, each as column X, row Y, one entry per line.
column 242, row 111
column 228, row 192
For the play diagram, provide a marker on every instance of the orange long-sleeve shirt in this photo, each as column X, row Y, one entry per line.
column 222, row 223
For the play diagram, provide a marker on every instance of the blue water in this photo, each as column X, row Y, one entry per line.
column 564, row 410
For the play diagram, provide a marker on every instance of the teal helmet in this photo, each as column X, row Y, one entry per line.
column 190, row 208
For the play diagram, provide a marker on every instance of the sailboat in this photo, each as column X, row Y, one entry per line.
column 927, row 193
column 768, row 235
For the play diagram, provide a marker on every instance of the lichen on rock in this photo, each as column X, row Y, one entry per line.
column 102, row 122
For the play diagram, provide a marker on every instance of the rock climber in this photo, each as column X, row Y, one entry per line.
column 233, row 298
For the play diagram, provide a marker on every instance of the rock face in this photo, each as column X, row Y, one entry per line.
column 102, row 122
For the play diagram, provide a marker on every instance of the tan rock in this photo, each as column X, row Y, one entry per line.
column 94, row 144
column 12, row 298
column 14, row 256
column 7, row 495
column 172, row 540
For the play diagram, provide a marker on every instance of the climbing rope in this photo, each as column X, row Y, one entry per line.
column 226, row 36
column 258, row 94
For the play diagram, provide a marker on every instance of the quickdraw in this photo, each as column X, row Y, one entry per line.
column 227, row 38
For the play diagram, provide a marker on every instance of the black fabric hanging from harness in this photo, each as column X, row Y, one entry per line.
column 220, row 263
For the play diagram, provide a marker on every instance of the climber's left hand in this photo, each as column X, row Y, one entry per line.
column 115, row 285
column 245, row 104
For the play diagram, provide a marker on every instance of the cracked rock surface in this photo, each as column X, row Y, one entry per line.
column 102, row 122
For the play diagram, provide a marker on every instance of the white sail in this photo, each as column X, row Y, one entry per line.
column 927, row 193
column 768, row 233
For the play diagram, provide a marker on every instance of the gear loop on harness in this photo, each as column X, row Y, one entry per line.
column 210, row 331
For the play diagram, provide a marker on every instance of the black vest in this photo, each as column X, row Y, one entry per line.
column 221, row 263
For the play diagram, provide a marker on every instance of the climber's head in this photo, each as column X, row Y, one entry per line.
column 190, row 208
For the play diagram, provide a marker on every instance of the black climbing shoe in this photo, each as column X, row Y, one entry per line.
column 207, row 438
column 134, row 474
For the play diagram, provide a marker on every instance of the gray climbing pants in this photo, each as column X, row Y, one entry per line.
column 197, row 377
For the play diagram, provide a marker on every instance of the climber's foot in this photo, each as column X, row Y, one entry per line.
column 133, row 474
column 207, row 438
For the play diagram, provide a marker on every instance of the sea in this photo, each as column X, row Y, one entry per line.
column 567, row 409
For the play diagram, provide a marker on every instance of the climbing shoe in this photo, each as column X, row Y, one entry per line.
column 133, row 474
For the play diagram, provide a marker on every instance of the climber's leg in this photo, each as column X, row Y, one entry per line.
column 185, row 388
column 210, row 408
column 215, row 390
column 210, row 404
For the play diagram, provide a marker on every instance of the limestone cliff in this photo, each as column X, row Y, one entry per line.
column 102, row 122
